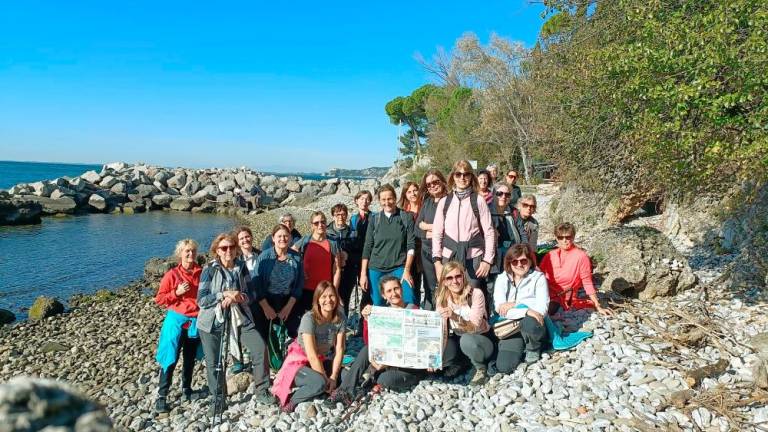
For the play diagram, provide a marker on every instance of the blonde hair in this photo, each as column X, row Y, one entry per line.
column 467, row 167
column 466, row 293
column 182, row 244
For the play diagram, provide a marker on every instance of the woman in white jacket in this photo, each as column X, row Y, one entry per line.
column 521, row 293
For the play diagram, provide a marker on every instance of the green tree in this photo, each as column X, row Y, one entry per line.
column 410, row 111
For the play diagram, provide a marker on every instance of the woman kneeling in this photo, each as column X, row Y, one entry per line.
column 313, row 363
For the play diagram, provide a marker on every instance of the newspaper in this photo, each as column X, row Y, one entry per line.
column 408, row 338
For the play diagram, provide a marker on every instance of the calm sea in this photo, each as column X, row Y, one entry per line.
column 13, row 173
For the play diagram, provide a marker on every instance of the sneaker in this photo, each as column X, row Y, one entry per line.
column 532, row 356
column 161, row 406
column 236, row 368
column 479, row 378
column 264, row 397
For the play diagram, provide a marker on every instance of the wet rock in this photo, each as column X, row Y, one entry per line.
column 6, row 317
column 182, row 204
column 134, row 207
column 45, row 307
column 52, row 206
column 19, row 211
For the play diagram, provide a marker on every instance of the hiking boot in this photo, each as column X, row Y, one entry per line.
column 264, row 397
column 289, row 407
column 236, row 368
column 479, row 378
column 161, row 405
column 532, row 356
column 186, row 394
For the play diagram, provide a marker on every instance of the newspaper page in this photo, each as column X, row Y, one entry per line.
column 408, row 338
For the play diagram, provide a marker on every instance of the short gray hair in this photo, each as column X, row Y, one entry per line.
column 527, row 197
column 286, row 215
column 182, row 244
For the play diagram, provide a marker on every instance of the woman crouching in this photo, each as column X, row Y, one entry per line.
column 313, row 363
column 178, row 294
column 225, row 288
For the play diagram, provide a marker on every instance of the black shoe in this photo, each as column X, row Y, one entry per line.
column 264, row 397
column 452, row 371
column 340, row 395
column 187, row 394
column 161, row 406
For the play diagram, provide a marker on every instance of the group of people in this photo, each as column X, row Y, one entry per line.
column 465, row 247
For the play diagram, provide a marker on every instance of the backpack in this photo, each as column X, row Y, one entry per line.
column 472, row 202
column 276, row 344
column 372, row 221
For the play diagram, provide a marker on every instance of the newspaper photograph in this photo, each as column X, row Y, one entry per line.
column 408, row 338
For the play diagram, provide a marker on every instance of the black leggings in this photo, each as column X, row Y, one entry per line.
column 188, row 348
column 511, row 349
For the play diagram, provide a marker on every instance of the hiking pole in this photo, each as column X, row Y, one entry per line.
column 220, row 395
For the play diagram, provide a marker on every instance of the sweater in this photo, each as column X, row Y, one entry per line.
column 388, row 240
column 185, row 304
column 567, row 269
column 531, row 292
column 474, row 314
column 460, row 225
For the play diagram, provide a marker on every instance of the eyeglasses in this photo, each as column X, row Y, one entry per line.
column 531, row 206
column 435, row 183
column 227, row 248
column 565, row 237
column 503, row 194
column 287, row 221
column 511, row 176
column 462, row 175
column 454, row 278
column 519, row 262
column 318, row 223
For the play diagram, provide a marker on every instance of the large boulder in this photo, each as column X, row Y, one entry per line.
column 43, row 189
column 30, row 404
column 116, row 166
column 178, row 181
column 108, row 181
column 134, row 207
column 45, row 307
column 91, row 177
column 97, row 202
column 19, row 211
column 640, row 262
column 190, row 188
column 78, row 184
column 162, row 176
column 293, row 186
column 227, row 186
column 268, row 180
column 202, row 196
column 182, row 204
column 52, row 206
column 145, row 190
column 119, row 188
column 6, row 317
column 62, row 191
column 162, row 199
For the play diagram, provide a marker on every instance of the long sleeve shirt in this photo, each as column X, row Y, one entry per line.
column 185, row 304
column 474, row 314
column 567, row 269
column 531, row 291
column 388, row 240
column 460, row 224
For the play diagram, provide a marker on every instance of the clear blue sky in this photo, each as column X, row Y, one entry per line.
column 270, row 85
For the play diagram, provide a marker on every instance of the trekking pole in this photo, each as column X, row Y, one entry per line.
column 220, row 395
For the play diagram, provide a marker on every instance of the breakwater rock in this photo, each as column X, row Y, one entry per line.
column 127, row 188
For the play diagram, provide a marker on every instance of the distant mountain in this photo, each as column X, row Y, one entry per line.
column 373, row 172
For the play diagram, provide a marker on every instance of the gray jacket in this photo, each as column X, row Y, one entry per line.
column 210, row 292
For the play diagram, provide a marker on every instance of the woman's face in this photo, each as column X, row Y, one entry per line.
column 527, row 208
column 565, row 241
column 281, row 239
column 363, row 202
column 226, row 251
column 434, row 185
column 245, row 241
column 519, row 265
column 188, row 256
column 392, row 293
column 412, row 194
column 503, row 196
column 454, row 281
column 289, row 223
column 462, row 178
column 482, row 179
column 319, row 225
column 340, row 217
column 387, row 201
column 328, row 302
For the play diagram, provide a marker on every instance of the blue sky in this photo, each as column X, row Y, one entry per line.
column 287, row 86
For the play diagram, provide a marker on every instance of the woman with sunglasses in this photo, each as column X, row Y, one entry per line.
column 226, row 289
column 484, row 186
column 463, row 308
column 513, row 188
column 527, row 207
column 279, row 284
column 321, row 258
column 432, row 189
column 521, row 294
column 508, row 226
column 463, row 230
column 568, row 269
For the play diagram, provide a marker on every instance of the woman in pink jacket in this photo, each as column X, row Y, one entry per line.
column 462, row 229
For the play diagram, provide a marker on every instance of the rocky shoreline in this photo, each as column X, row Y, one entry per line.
column 640, row 371
column 126, row 188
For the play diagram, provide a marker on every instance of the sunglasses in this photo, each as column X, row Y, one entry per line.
column 532, row 206
column 454, row 278
column 503, row 194
column 318, row 223
column 462, row 175
column 435, row 183
column 519, row 262
column 565, row 237
column 227, row 248
column 511, row 176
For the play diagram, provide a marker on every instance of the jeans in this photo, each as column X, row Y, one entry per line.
column 374, row 276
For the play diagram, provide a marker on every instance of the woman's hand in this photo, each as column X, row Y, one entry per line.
column 330, row 384
column 482, row 270
column 182, row 288
column 269, row 312
column 444, row 312
column 535, row 315
column 407, row 277
column 284, row 312
column 366, row 312
column 364, row 281
column 604, row 311
column 505, row 307
column 226, row 302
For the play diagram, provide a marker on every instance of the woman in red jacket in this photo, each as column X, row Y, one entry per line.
column 178, row 294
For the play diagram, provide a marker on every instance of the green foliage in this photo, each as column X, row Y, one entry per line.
column 410, row 111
